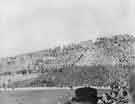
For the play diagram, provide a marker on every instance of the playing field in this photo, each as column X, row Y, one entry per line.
column 42, row 96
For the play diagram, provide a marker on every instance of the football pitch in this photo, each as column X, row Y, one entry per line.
column 42, row 96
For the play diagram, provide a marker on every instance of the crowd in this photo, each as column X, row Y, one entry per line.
column 117, row 95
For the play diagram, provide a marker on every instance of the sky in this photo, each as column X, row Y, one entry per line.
column 32, row 25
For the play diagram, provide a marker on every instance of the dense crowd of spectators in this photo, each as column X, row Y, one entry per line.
column 117, row 95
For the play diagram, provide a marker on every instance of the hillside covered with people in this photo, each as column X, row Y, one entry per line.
column 89, row 62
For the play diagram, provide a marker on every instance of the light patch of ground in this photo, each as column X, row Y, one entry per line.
column 39, row 96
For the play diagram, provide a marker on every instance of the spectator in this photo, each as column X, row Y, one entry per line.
column 132, row 87
column 107, row 99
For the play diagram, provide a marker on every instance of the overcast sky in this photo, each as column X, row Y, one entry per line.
column 31, row 25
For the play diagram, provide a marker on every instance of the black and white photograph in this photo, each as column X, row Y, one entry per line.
column 67, row 51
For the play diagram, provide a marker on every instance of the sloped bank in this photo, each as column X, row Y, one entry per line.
column 70, row 76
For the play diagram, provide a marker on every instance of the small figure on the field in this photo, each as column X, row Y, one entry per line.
column 85, row 95
column 71, row 87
